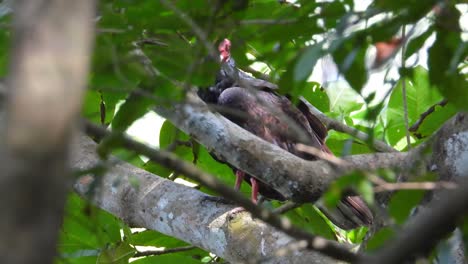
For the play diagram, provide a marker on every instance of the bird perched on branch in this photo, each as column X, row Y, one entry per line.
column 254, row 105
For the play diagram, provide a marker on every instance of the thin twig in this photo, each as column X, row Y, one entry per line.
column 381, row 185
column 320, row 244
column 162, row 251
column 388, row 187
column 320, row 154
column 151, row 41
column 424, row 115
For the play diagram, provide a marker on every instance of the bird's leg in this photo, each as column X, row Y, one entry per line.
column 239, row 178
column 254, row 183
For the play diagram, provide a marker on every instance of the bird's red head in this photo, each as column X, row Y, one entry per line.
column 224, row 50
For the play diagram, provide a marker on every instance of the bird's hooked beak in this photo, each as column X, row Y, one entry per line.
column 224, row 49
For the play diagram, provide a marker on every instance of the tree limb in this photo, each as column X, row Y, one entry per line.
column 171, row 161
column 183, row 212
column 425, row 230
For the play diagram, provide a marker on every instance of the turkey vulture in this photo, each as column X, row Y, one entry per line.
column 253, row 104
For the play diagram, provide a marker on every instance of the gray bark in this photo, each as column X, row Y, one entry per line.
column 185, row 213
column 49, row 63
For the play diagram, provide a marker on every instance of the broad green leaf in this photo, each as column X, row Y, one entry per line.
column 357, row 235
column 402, row 202
column 420, row 97
column 317, row 96
column 86, row 231
column 118, row 254
column 444, row 56
column 350, row 59
column 343, row 99
column 307, row 61
column 157, row 169
column 417, row 43
column 343, row 144
column 174, row 140
column 134, row 107
column 306, row 217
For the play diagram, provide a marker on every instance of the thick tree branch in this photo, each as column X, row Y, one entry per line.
column 171, row 161
column 293, row 177
column 439, row 217
column 50, row 53
column 183, row 212
column 426, row 229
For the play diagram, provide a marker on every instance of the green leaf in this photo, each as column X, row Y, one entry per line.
column 444, row 56
column 86, row 231
column 173, row 139
column 134, row 107
column 118, row 254
column 347, row 147
column 308, row 218
column 417, row 43
column 344, row 99
column 350, row 59
column 420, row 96
column 403, row 202
column 5, row 38
column 366, row 191
column 157, row 169
column 317, row 96
column 307, row 61
column 357, row 235
column 379, row 238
